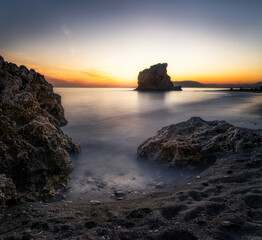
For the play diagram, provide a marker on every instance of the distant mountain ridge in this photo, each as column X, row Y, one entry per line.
column 195, row 84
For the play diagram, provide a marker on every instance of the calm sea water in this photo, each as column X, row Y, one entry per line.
column 111, row 123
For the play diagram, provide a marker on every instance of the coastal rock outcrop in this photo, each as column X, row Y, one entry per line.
column 197, row 142
column 34, row 152
column 155, row 78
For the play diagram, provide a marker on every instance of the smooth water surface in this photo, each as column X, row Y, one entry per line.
column 111, row 123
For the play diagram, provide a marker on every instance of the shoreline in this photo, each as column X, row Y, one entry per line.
column 223, row 203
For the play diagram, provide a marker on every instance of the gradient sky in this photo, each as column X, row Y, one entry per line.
column 107, row 42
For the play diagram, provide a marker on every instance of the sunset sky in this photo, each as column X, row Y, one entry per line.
column 107, row 42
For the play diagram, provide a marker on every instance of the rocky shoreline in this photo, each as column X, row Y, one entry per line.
column 34, row 152
column 224, row 202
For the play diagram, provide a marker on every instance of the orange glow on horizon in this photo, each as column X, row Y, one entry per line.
column 60, row 77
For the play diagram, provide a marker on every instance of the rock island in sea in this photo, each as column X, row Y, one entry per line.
column 156, row 78
column 34, row 151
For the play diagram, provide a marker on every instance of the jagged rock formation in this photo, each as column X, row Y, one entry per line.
column 34, row 152
column 155, row 78
column 197, row 142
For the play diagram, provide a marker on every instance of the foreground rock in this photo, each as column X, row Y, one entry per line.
column 197, row 142
column 224, row 203
column 34, row 152
column 155, row 78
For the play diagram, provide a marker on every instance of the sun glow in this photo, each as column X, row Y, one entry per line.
column 213, row 45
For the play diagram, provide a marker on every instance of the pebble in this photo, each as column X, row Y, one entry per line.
column 226, row 223
column 119, row 198
column 119, row 193
column 95, row 202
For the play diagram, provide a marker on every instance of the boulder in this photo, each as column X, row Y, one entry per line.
column 155, row 78
column 197, row 142
column 34, row 151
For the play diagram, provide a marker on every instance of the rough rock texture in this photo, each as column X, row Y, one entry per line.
column 155, row 78
column 7, row 191
column 223, row 203
column 34, row 152
column 197, row 142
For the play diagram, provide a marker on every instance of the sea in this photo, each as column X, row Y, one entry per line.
column 110, row 124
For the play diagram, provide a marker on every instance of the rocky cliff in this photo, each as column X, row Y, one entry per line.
column 197, row 142
column 34, row 152
column 155, row 78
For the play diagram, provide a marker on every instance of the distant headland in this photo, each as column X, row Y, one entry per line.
column 195, row 84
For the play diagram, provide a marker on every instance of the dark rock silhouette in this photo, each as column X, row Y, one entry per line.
column 34, row 152
column 155, row 78
column 197, row 142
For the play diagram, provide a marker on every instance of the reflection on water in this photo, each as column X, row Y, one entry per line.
column 111, row 123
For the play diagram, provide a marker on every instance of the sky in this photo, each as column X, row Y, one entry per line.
column 105, row 43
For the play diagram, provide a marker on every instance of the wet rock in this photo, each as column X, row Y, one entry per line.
column 155, row 78
column 34, row 152
column 197, row 142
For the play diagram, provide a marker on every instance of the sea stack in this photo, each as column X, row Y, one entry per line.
column 156, row 78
